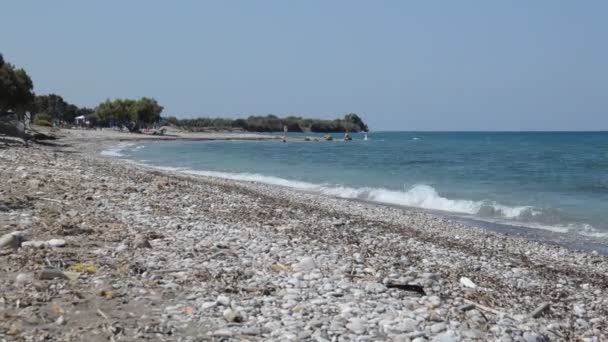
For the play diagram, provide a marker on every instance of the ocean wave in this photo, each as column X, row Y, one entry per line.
column 419, row 196
column 114, row 151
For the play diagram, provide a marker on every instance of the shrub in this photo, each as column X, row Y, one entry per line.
column 43, row 119
column 40, row 122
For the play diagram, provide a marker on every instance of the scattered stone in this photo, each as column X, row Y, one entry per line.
column 232, row 316
column 356, row 325
column 60, row 320
column 223, row 300
column 121, row 248
column 466, row 282
column 23, row 279
column 222, row 333
column 438, row 327
column 51, row 273
column 56, row 243
column 34, row 244
column 208, row 305
column 12, row 240
column 306, row 264
column 141, row 241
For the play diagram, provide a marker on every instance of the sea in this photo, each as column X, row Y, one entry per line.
column 551, row 181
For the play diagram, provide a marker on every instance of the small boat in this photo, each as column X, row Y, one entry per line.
column 365, row 137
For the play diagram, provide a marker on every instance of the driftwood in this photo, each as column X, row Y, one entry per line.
column 407, row 287
column 485, row 308
column 540, row 310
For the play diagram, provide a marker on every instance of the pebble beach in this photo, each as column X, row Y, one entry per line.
column 98, row 249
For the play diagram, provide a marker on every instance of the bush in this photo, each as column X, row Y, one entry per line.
column 40, row 122
column 43, row 119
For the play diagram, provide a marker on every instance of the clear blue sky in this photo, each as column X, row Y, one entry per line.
column 410, row 65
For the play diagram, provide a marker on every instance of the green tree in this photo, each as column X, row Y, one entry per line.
column 16, row 88
column 145, row 111
column 16, row 94
column 51, row 104
column 114, row 112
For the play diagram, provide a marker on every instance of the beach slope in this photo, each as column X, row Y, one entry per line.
column 117, row 251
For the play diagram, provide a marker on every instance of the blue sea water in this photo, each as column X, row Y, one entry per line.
column 550, row 180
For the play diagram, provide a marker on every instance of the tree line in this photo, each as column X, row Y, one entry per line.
column 17, row 97
column 271, row 123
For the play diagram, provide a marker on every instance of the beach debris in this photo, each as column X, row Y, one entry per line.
column 466, row 282
column 407, row 287
column 540, row 310
column 466, row 307
column 279, row 267
column 72, row 275
column 84, row 268
column 485, row 308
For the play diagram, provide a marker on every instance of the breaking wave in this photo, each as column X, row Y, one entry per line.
column 114, row 151
column 419, row 196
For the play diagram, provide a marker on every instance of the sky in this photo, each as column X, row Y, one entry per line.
column 402, row 65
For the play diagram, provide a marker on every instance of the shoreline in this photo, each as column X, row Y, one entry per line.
column 232, row 260
column 572, row 240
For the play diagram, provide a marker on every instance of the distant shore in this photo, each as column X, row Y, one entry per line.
column 171, row 256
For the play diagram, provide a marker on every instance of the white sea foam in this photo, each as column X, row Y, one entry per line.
column 111, row 153
column 419, row 196
column 114, row 151
column 254, row 177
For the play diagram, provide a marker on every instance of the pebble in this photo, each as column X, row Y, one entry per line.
column 438, row 327
column 305, row 264
column 356, row 325
column 208, row 305
column 466, row 282
column 141, row 241
column 121, row 248
column 222, row 333
column 56, row 243
column 34, row 244
column 23, row 279
column 232, row 316
column 223, row 300
column 51, row 273
column 12, row 240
